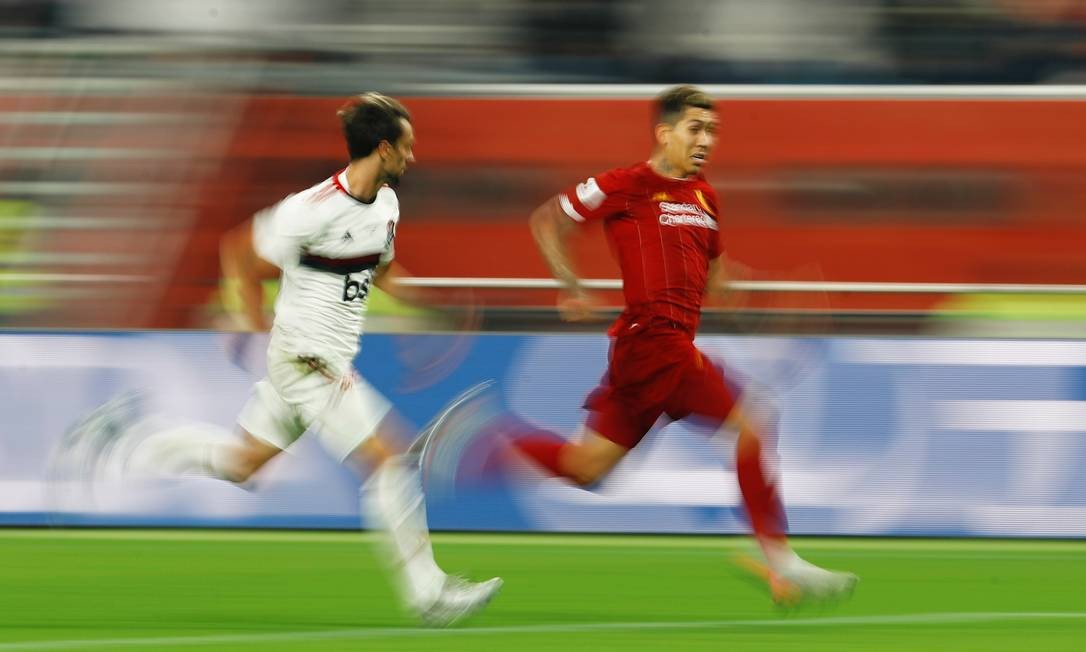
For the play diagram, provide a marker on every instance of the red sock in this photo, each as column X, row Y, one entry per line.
column 545, row 449
column 759, row 493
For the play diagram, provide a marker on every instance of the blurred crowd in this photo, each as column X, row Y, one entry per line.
column 276, row 43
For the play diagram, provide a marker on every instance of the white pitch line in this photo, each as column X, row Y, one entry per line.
column 412, row 632
column 575, row 540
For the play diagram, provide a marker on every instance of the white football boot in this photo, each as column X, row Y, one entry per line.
column 458, row 600
column 797, row 580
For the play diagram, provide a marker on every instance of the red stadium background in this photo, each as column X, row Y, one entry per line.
column 895, row 190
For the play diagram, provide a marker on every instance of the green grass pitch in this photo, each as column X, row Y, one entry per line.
column 256, row 591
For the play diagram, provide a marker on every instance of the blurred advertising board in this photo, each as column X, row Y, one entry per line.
column 881, row 437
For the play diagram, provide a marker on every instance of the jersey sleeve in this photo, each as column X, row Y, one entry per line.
column 596, row 198
column 389, row 252
column 281, row 232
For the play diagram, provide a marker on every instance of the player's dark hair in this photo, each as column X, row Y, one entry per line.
column 368, row 119
column 671, row 104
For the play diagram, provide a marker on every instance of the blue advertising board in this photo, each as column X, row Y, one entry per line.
column 878, row 436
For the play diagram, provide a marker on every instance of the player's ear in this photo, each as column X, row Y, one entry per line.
column 384, row 148
column 663, row 132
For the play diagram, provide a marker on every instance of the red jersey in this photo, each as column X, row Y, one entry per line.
column 663, row 232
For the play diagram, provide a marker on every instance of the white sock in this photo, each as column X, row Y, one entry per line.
column 392, row 501
column 195, row 449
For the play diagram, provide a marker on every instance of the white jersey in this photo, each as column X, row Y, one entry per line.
column 328, row 244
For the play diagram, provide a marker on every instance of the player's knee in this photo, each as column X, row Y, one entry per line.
column 760, row 409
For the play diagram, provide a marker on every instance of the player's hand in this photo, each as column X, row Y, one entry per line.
column 731, row 297
column 727, row 294
column 243, row 346
column 245, row 350
column 577, row 305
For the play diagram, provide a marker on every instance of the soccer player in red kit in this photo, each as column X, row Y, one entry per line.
column 661, row 219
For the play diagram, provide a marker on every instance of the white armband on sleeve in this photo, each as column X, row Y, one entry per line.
column 567, row 207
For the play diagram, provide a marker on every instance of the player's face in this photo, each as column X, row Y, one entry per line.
column 688, row 144
column 400, row 155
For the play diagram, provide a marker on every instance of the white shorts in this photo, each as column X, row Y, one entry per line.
column 295, row 396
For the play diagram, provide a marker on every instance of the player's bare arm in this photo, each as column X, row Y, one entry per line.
column 388, row 278
column 550, row 228
column 724, row 273
column 243, row 267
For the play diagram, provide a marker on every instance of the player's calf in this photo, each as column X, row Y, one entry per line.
column 589, row 461
column 242, row 462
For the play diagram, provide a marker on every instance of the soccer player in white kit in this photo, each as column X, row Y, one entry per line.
column 331, row 243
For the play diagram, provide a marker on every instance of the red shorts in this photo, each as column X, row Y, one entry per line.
column 653, row 372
